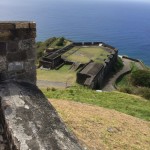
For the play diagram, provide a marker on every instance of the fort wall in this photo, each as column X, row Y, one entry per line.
column 97, row 80
column 17, row 51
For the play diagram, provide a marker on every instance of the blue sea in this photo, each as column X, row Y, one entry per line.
column 125, row 25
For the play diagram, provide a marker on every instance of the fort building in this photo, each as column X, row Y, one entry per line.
column 93, row 61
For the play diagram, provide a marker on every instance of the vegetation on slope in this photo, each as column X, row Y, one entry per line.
column 137, row 82
column 129, row 104
column 141, row 78
column 51, row 43
column 99, row 128
column 63, row 74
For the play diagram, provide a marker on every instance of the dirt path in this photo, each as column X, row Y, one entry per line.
column 104, row 129
column 44, row 83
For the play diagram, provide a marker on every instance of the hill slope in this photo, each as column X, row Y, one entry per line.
column 101, row 128
column 50, row 44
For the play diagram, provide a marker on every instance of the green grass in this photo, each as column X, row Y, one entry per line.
column 85, row 54
column 61, row 75
column 124, row 81
column 48, row 44
column 128, row 104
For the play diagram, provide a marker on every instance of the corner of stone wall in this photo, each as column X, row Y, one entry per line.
column 17, row 51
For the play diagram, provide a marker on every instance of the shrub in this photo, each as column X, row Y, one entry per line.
column 119, row 65
column 141, row 78
column 53, row 89
column 128, row 90
column 144, row 92
column 60, row 41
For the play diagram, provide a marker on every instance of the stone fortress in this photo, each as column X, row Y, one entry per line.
column 27, row 120
column 92, row 69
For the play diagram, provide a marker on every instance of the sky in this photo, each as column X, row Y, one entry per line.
column 15, row 1
column 42, row 2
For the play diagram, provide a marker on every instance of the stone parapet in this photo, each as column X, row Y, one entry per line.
column 17, row 50
column 30, row 122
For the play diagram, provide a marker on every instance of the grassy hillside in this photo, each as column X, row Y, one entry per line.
column 128, row 104
column 51, row 43
column 103, row 129
column 137, row 82
column 61, row 75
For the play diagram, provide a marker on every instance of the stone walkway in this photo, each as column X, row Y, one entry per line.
column 126, row 68
column 111, row 82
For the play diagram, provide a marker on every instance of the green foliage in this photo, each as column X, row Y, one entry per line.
column 60, row 42
column 63, row 74
column 126, row 89
column 85, row 54
column 122, row 102
column 134, row 67
column 54, row 43
column 141, row 78
column 41, row 46
column 144, row 92
column 137, row 82
column 119, row 65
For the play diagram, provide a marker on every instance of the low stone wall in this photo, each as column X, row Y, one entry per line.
column 17, row 51
column 30, row 121
column 136, row 60
column 133, row 59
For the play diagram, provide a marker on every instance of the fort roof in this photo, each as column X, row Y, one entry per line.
column 92, row 69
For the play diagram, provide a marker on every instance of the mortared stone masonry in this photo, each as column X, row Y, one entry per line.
column 17, row 51
column 27, row 120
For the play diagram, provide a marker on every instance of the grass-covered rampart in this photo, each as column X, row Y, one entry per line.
column 128, row 104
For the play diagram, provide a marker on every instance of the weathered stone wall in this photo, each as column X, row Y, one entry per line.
column 17, row 51
column 103, row 75
column 30, row 122
column 98, row 80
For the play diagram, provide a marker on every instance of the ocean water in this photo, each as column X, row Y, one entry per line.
column 125, row 25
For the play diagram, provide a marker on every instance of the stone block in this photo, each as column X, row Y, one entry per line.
column 16, row 56
column 32, row 122
column 32, row 25
column 16, row 66
column 2, row 48
column 26, row 44
column 3, row 65
column 29, row 66
column 11, row 75
column 31, row 54
column 3, row 75
column 6, row 35
column 7, row 26
column 12, row 46
column 25, row 33
column 22, row 25
column 30, row 76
